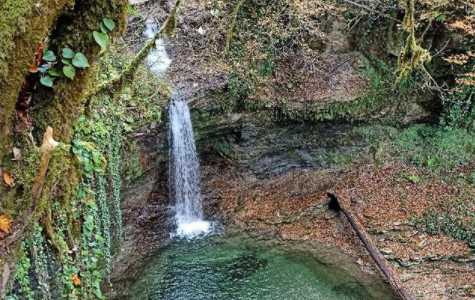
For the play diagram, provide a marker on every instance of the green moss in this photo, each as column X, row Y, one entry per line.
column 60, row 107
column 59, row 207
column 454, row 218
column 15, row 21
column 61, row 182
column 172, row 25
column 254, row 73
column 131, row 169
column 22, row 27
column 434, row 147
column 24, row 171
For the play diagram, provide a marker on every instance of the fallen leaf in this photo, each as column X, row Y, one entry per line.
column 76, row 280
column 201, row 31
column 5, row 223
column 21, row 114
column 8, row 178
column 33, row 68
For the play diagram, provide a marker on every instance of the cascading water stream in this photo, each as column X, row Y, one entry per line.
column 157, row 60
column 184, row 177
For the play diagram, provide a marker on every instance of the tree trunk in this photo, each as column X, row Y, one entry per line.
column 337, row 205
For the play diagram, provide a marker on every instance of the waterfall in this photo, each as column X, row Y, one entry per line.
column 157, row 60
column 184, row 177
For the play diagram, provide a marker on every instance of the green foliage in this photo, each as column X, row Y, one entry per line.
column 383, row 92
column 62, row 215
column 459, row 111
column 40, row 262
column 80, row 61
column 434, row 147
column 101, row 39
column 46, row 81
column 69, row 71
column 131, row 168
column 99, row 137
column 114, row 173
column 471, row 178
column 454, row 218
column 103, row 138
column 69, row 266
column 131, row 11
column 412, row 56
column 413, row 178
column 91, row 160
column 22, row 270
column 97, row 131
column 139, row 103
column 244, row 81
column 108, row 23
column 91, row 244
column 104, row 212
column 68, row 53
column 48, row 55
column 69, row 60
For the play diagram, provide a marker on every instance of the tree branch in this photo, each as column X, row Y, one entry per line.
column 230, row 32
column 370, row 10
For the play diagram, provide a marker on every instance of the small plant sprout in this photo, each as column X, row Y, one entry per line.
column 70, row 60
column 102, row 37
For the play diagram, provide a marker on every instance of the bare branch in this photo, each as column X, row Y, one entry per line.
column 370, row 10
column 229, row 34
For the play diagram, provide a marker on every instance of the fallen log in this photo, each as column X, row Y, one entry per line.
column 337, row 205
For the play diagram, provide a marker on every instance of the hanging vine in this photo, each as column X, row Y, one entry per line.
column 104, row 213
column 22, row 270
column 114, row 174
column 40, row 262
column 412, row 56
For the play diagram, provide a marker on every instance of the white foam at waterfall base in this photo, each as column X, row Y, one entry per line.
column 184, row 173
column 192, row 229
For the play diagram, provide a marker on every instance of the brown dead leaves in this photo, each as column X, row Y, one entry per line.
column 8, row 179
column 5, row 223
column 76, row 280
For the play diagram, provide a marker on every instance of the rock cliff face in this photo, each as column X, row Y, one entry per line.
column 270, row 155
column 145, row 208
column 271, row 149
column 272, row 179
column 242, row 148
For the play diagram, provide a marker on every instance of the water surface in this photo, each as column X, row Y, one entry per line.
column 242, row 268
